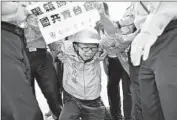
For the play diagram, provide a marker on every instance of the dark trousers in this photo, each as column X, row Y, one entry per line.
column 158, row 78
column 135, row 88
column 76, row 109
column 115, row 73
column 18, row 101
column 59, row 69
column 43, row 70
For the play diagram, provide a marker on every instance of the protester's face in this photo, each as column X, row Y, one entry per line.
column 87, row 50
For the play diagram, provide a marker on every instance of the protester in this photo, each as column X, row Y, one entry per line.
column 18, row 100
column 42, row 67
column 156, row 44
column 81, row 56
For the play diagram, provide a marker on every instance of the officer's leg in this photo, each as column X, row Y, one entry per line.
column 127, row 96
column 166, row 77
column 6, row 113
column 46, row 77
column 135, row 89
column 31, row 59
column 150, row 101
column 21, row 99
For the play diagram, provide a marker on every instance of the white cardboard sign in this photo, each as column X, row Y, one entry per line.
column 58, row 20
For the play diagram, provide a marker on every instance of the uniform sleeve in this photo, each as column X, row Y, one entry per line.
column 161, row 14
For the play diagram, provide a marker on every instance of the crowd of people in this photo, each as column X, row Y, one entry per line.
column 139, row 49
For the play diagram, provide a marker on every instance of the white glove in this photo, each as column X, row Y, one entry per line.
column 141, row 46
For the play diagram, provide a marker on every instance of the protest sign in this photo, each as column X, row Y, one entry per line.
column 58, row 20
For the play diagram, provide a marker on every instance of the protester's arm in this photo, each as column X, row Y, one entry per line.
column 109, row 26
column 122, row 30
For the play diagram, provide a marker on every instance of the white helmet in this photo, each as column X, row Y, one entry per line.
column 88, row 35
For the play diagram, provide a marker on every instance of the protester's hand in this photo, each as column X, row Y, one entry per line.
column 99, row 6
column 56, row 46
column 141, row 46
column 99, row 25
column 107, row 42
column 62, row 57
column 102, row 54
column 109, row 26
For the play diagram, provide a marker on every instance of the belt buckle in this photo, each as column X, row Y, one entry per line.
column 32, row 49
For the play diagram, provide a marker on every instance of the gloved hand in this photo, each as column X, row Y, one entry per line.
column 141, row 46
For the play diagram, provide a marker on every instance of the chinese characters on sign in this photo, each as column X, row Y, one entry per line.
column 37, row 11
column 60, row 19
column 50, row 6
column 45, row 21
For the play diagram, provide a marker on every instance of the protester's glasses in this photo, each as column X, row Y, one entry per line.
column 86, row 49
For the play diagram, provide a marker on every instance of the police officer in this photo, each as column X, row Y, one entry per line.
column 156, row 44
column 18, row 101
